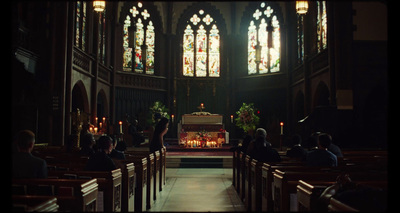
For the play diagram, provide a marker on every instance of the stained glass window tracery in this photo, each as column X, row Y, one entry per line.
column 201, row 47
column 80, row 25
column 269, row 41
column 139, row 36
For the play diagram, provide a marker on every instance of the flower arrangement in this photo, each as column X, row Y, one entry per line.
column 203, row 136
column 156, row 112
column 247, row 118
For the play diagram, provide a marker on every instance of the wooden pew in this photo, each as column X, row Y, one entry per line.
column 150, row 173
column 242, row 175
column 337, row 206
column 72, row 195
column 247, row 179
column 309, row 192
column 109, row 184
column 141, row 189
column 238, row 172
column 285, row 183
column 256, row 187
column 34, row 203
column 128, row 187
column 163, row 167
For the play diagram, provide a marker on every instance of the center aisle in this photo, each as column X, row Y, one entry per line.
column 198, row 190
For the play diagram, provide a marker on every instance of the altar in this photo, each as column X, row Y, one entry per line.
column 202, row 130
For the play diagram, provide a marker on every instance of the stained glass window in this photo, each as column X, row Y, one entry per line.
column 188, row 52
column 322, row 27
column 80, row 24
column 300, row 39
column 140, row 37
column 101, row 49
column 201, row 47
column 150, row 37
column 264, row 30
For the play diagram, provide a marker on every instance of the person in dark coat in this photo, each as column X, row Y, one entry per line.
column 160, row 130
column 100, row 161
column 24, row 164
column 297, row 151
column 261, row 150
column 117, row 154
column 322, row 156
column 87, row 142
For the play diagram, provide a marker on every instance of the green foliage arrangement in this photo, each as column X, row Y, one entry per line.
column 247, row 118
column 156, row 112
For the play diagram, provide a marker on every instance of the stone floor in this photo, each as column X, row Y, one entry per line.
column 198, row 190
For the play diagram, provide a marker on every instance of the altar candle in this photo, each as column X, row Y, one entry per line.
column 101, row 125
column 104, row 119
column 96, row 121
column 281, row 128
column 172, row 118
column 91, row 129
column 120, row 127
column 95, row 130
column 202, row 105
column 231, row 118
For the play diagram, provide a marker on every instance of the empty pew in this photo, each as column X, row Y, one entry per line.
column 141, row 188
column 109, row 184
column 337, row 206
column 34, row 203
column 151, row 182
column 72, row 195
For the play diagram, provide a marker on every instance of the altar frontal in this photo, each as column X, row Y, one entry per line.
column 202, row 130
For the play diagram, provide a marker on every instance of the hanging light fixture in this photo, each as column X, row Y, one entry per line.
column 99, row 6
column 301, row 7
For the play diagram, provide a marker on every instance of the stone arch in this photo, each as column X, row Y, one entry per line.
column 80, row 98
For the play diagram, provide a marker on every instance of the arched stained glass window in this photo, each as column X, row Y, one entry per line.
column 201, row 47
column 300, row 39
column 81, row 25
column 264, row 30
column 322, row 27
column 139, row 35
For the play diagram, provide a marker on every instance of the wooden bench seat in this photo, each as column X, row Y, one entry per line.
column 34, row 203
column 109, row 184
column 72, row 195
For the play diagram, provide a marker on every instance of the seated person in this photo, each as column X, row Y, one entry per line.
column 297, row 151
column 100, row 161
column 246, row 141
column 321, row 156
column 335, row 150
column 86, row 142
column 24, row 164
column 135, row 130
column 115, row 153
column 261, row 150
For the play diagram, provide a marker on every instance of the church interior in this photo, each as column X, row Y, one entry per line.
column 297, row 67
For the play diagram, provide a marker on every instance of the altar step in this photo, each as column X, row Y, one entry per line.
column 199, row 162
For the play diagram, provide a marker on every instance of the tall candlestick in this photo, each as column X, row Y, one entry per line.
column 281, row 128
column 120, row 127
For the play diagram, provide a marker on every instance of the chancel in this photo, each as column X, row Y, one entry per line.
column 178, row 104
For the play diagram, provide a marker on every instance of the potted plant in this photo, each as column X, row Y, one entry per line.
column 247, row 118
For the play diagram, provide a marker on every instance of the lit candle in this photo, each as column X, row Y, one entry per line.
column 231, row 118
column 281, row 128
column 120, row 127
column 172, row 118
column 101, row 125
column 104, row 119
column 202, row 105
column 96, row 121
column 95, row 130
column 91, row 129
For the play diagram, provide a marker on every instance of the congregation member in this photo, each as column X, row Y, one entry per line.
column 243, row 148
column 297, row 151
column 322, row 156
column 24, row 164
column 87, row 142
column 100, row 161
column 335, row 150
column 115, row 153
column 261, row 150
